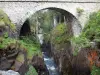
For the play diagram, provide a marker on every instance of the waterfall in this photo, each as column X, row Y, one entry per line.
column 50, row 64
column 40, row 36
column 76, row 27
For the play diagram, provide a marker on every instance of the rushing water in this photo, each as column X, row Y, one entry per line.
column 49, row 61
column 50, row 64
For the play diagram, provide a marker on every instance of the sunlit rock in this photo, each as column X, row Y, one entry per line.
column 9, row 72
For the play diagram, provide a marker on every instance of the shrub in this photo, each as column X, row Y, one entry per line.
column 5, row 42
column 47, row 37
column 30, row 46
column 24, row 44
column 79, row 10
column 95, row 71
column 31, row 71
column 60, row 34
column 78, row 43
column 91, row 32
column 92, row 28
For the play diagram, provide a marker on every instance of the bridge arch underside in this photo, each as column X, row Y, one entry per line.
column 72, row 22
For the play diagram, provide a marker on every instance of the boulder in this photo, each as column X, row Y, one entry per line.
column 9, row 72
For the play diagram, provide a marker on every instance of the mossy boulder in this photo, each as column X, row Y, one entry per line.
column 6, row 26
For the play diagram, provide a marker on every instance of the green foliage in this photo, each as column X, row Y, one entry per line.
column 26, row 44
column 91, row 32
column 5, row 35
column 79, row 10
column 78, row 43
column 4, row 18
column 95, row 71
column 92, row 28
column 31, row 71
column 44, row 20
column 60, row 34
column 5, row 42
column 47, row 37
column 20, row 58
column 31, row 47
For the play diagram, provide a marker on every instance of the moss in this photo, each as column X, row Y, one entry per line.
column 79, row 10
column 2, row 23
column 31, row 47
column 31, row 71
column 4, row 18
column 20, row 58
column 5, row 35
column 5, row 42
column 13, row 27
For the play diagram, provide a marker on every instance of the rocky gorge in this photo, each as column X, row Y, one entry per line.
column 47, row 46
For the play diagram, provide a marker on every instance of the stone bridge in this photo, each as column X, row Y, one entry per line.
column 19, row 10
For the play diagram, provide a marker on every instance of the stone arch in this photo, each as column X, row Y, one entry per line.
column 25, row 29
column 76, row 24
column 44, row 6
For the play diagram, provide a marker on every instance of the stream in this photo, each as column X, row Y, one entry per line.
column 48, row 60
column 50, row 64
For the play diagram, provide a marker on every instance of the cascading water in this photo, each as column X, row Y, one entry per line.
column 76, row 27
column 49, row 61
column 50, row 64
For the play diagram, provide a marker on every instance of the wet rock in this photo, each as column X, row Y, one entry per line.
column 7, row 59
column 63, row 61
column 19, row 61
column 17, row 65
column 39, row 65
column 2, row 28
column 4, row 64
column 23, row 69
column 21, row 64
column 63, row 56
column 9, row 72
